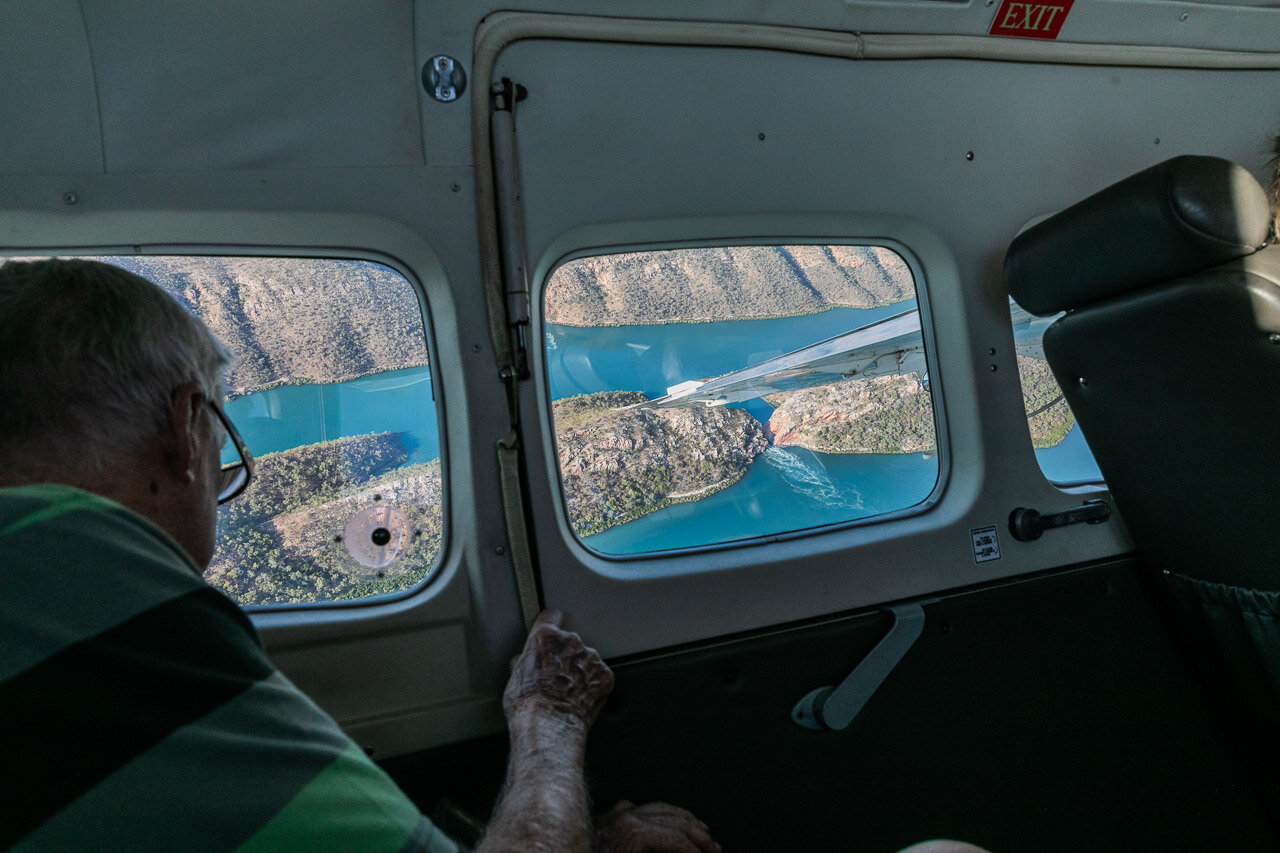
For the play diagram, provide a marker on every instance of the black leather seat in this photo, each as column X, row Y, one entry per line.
column 1169, row 355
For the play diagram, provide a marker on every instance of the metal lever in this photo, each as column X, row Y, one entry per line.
column 1026, row 525
column 835, row 707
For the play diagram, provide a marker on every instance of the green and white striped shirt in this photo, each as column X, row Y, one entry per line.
column 141, row 713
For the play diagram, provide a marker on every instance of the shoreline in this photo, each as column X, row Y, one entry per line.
column 296, row 381
column 705, row 320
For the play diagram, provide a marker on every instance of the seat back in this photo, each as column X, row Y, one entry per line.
column 1169, row 355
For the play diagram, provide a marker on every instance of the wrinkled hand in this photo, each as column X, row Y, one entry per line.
column 557, row 672
column 651, row 828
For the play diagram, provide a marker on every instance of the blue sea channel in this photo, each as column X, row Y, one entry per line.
column 293, row 415
column 784, row 490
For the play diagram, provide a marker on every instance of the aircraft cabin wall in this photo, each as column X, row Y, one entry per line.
column 285, row 130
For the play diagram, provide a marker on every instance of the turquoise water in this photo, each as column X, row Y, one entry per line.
column 1071, row 461
column 294, row 415
column 785, row 489
column 653, row 358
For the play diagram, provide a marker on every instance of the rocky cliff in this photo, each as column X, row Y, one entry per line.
column 723, row 283
column 1048, row 414
column 618, row 464
column 293, row 320
column 887, row 414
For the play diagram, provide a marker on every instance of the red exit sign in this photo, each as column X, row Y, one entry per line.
column 1030, row 19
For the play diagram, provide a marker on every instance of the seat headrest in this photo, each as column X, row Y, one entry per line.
column 1174, row 219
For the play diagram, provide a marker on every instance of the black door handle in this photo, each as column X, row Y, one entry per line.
column 1026, row 525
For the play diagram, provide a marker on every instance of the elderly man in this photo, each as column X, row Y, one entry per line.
column 139, row 709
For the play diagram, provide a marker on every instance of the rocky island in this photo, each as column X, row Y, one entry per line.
column 1048, row 414
column 887, row 414
column 281, row 541
column 619, row 463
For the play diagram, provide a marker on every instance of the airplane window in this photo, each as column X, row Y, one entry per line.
column 707, row 395
column 331, row 390
column 1061, row 450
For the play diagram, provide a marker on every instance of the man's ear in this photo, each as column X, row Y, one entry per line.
column 180, row 434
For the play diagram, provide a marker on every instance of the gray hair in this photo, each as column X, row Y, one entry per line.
column 90, row 356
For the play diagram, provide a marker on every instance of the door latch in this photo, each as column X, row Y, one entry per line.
column 1026, row 525
column 835, row 707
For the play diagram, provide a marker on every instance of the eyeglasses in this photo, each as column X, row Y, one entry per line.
column 237, row 461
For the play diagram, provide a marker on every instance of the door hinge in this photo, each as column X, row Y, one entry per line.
column 504, row 95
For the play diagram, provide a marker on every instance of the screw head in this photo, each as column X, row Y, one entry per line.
column 444, row 78
column 70, row 198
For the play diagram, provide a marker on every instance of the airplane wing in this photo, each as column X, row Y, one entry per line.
column 890, row 346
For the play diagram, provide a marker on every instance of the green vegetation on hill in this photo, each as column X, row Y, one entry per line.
column 1048, row 414
column 295, row 320
column 280, row 542
column 894, row 414
column 886, row 414
column 619, row 464
column 724, row 283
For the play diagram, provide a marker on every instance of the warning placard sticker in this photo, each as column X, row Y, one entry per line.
column 1030, row 19
column 986, row 544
